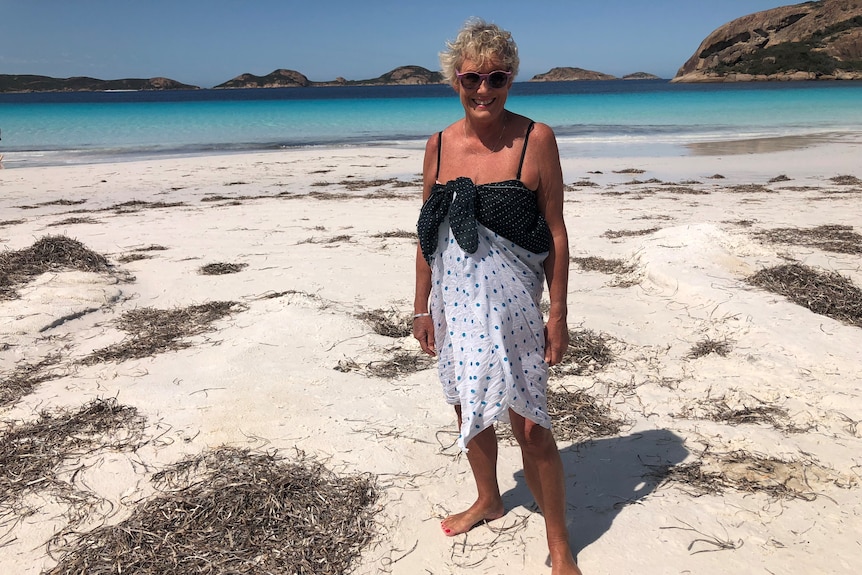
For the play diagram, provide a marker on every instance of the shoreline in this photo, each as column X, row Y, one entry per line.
column 313, row 240
column 598, row 152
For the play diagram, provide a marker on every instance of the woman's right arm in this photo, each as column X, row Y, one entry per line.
column 423, row 326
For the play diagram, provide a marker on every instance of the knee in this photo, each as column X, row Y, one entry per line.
column 535, row 440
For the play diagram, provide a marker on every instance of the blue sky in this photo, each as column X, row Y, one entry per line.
column 206, row 42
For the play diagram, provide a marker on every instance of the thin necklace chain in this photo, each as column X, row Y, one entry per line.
column 496, row 145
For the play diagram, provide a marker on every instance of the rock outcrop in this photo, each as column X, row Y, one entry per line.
column 276, row 79
column 33, row 83
column 403, row 75
column 810, row 41
column 566, row 74
column 407, row 75
column 641, row 76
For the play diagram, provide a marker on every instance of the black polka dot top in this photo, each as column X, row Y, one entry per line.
column 508, row 208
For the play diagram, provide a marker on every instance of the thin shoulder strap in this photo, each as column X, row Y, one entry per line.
column 523, row 152
column 439, row 150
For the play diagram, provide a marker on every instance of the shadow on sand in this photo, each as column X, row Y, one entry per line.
column 603, row 476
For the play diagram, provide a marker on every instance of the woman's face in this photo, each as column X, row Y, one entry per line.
column 483, row 102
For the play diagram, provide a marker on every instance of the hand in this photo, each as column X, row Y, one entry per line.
column 423, row 331
column 556, row 341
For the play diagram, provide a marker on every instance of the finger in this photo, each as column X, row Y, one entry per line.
column 426, row 341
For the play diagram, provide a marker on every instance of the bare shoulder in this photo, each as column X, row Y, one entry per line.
column 432, row 143
column 543, row 135
column 429, row 164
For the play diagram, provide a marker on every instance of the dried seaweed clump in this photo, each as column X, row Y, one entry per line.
column 221, row 268
column 588, row 352
column 750, row 189
column 750, row 473
column 47, row 254
column 617, row 267
column 846, row 180
column 129, row 258
column 399, row 363
column 707, row 346
column 825, row 293
column 25, row 377
column 133, row 206
column 605, row 266
column 72, row 221
column 616, row 234
column 581, row 184
column 151, row 248
column 685, row 190
column 752, row 412
column 157, row 330
column 577, row 415
column 235, row 512
column 32, row 454
column 356, row 185
column 396, row 234
column 831, row 238
column 389, row 323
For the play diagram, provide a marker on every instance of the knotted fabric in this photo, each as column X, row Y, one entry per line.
column 508, row 208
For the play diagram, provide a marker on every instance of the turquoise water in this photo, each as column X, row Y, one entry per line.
column 613, row 118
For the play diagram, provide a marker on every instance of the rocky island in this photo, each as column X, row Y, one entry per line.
column 811, row 41
column 568, row 74
column 33, row 83
column 403, row 75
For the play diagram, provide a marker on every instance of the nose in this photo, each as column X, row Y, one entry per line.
column 484, row 85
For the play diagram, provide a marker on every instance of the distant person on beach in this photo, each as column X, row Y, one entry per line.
column 491, row 231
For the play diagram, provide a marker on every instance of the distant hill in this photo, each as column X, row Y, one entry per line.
column 811, row 41
column 32, row 83
column 641, row 76
column 566, row 74
column 403, row 75
column 277, row 79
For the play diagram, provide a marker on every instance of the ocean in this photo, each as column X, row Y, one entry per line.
column 614, row 118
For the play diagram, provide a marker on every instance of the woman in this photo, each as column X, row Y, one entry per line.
column 491, row 232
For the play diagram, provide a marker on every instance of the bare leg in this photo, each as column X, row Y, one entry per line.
column 482, row 456
column 543, row 470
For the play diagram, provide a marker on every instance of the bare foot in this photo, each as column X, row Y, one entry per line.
column 567, row 569
column 564, row 565
column 466, row 520
column 562, row 560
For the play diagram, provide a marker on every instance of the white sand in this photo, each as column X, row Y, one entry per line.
column 266, row 379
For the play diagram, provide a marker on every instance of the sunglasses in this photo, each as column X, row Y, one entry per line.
column 471, row 80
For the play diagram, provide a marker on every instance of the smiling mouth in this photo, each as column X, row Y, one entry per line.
column 484, row 102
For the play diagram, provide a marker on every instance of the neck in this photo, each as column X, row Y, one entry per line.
column 488, row 134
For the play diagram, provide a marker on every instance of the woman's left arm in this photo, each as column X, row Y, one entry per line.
column 549, row 194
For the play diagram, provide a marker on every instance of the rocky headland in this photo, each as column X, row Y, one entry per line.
column 810, row 41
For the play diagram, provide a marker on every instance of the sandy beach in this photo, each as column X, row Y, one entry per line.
column 717, row 420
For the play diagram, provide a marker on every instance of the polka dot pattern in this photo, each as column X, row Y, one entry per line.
column 485, row 294
column 507, row 208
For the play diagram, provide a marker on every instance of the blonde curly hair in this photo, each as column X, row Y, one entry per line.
column 479, row 41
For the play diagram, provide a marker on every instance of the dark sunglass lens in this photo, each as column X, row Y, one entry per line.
column 498, row 79
column 470, row 80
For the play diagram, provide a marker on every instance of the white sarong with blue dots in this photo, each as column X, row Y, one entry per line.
column 489, row 331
